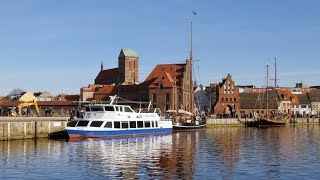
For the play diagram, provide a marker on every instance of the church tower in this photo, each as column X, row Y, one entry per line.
column 128, row 62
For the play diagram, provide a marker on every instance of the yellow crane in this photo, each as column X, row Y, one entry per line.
column 28, row 99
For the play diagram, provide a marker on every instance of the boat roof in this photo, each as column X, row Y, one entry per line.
column 107, row 105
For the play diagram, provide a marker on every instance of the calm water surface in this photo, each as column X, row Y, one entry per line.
column 214, row 153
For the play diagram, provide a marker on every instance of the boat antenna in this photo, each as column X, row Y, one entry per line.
column 112, row 98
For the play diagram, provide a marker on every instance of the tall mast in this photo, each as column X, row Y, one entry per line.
column 275, row 73
column 191, row 83
column 191, row 42
column 267, row 90
column 275, row 84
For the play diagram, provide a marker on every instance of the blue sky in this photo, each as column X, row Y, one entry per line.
column 58, row 45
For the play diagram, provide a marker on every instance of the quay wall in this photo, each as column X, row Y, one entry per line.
column 223, row 122
column 306, row 120
column 238, row 122
column 30, row 127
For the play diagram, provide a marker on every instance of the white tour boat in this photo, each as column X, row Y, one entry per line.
column 109, row 120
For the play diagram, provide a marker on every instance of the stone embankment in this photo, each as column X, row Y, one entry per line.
column 43, row 127
column 30, row 127
column 240, row 122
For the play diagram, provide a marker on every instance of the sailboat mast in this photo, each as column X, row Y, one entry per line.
column 275, row 73
column 275, row 84
column 191, row 41
column 191, row 83
column 267, row 91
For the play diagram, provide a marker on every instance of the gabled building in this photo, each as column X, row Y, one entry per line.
column 227, row 97
column 314, row 97
column 300, row 105
column 87, row 92
column 284, row 100
column 43, row 96
column 170, row 86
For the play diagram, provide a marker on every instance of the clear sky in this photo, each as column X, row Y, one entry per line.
column 58, row 45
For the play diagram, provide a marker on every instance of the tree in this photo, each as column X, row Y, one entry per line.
column 14, row 93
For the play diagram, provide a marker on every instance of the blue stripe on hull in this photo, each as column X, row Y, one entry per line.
column 85, row 133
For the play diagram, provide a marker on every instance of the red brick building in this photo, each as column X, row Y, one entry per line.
column 168, row 86
column 224, row 97
column 126, row 72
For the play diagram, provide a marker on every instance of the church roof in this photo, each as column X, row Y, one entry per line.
column 126, row 52
column 107, row 75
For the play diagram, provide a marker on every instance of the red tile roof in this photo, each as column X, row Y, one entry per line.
column 167, row 74
column 107, row 89
column 68, row 97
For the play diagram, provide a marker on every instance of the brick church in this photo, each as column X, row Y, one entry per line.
column 168, row 86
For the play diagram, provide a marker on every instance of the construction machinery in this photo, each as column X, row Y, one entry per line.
column 28, row 99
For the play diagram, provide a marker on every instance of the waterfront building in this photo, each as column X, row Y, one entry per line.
column 314, row 97
column 43, row 96
column 251, row 103
column 300, row 105
column 284, row 100
column 246, row 88
column 201, row 100
column 168, row 86
column 225, row 97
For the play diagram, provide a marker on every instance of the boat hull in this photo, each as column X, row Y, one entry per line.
column 266, row 123
column 188, row 126
column 116, row 133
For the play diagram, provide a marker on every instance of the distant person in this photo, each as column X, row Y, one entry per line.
column 46, row 112
column 28, row 111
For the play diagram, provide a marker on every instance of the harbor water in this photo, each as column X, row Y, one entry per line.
column 213, row 153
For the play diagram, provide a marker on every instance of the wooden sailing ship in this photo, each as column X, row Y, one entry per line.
column 268, row 120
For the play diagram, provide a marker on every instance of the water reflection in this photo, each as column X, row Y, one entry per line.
column 126, row 158
column 226, row 153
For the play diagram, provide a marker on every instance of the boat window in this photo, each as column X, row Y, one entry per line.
column 156, row 123
column 108, row 125
column 96, row 108
column 87, row 108
column 147, row 124
column 116, row 124
column 82, row 123
column 117, row 108
column 133, row 124
column 152, row 123
column 140, row 124
column 96, row 123
column 124, row 124
column 109, row 108
column 127, row 109
column 72, row 123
